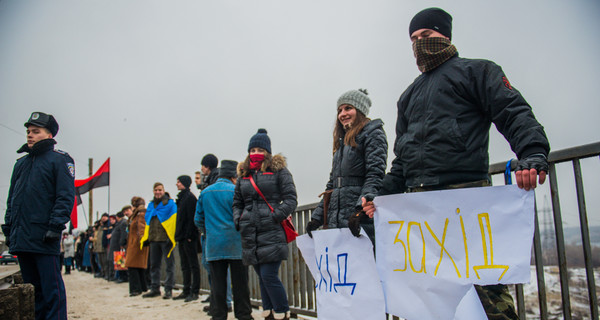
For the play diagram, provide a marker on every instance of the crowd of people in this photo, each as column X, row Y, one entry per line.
column 224, row 223
column 442, row 134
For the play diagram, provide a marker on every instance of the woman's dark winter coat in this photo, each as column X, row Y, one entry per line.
column 356, row 172
column 263, row 237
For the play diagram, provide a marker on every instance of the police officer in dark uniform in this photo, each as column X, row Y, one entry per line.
column 40, row 201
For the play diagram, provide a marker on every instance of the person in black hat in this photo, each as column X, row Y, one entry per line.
column 210, row 172
column 223, row 251
column 259, row 219
column 186, row 236
column 442, row 130
column 40, row 200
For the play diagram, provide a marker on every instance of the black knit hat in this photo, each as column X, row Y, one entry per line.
column 434, row 19
column 186, row 181
column 260, row 140
column 210, row 161
column 228, row 169
column 42, row 120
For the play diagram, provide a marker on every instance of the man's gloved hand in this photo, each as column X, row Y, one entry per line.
column 354, row 223
column 145, row 243
column 528, row 170
column 51, row 236
column 311, row 226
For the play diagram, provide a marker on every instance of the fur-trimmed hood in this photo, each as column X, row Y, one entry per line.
column 272, row 164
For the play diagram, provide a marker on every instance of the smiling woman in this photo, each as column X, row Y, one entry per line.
column 359, row 161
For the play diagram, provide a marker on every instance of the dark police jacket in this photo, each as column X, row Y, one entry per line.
column 40, row 198
column 444, row 118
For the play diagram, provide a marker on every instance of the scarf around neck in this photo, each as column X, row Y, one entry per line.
column 432, row 52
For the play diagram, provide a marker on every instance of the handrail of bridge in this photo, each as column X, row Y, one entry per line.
column 300, row 284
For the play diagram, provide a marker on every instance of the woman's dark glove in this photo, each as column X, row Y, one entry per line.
column 311, row 226
column 354, row 223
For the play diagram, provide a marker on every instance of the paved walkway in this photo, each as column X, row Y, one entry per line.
column 96, row 299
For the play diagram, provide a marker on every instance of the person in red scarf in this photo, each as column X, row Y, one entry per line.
column 258, row 218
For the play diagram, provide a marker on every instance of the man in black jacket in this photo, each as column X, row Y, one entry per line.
column 40, row 200
column 186, row 236
column 209, row 169
column 118, row 241
column 442, row 131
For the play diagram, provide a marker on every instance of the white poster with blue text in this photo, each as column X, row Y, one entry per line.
column 346, row 280
column 433, row 246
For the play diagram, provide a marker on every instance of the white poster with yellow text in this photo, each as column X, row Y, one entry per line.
column 433, row 246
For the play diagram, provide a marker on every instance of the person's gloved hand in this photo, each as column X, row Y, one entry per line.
column 311, row 226
column 354, row 223
column 51, row 236
column 145, row 243
column 528, row 170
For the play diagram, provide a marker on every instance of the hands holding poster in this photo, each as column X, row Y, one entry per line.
column 433, row 246
column 346, row 279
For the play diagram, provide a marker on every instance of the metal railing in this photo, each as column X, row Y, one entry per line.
column 300, row 285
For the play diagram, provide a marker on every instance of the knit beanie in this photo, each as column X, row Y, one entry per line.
column 260, row 140
column 186, row 181
column 228, row 169
column 359, row 99
column 434, row 19
column 210, row 161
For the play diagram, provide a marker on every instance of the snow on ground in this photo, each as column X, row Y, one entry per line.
column 578, row 293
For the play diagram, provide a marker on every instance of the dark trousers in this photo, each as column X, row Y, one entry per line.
column 137, row 281
column 190, row 267
column 241, row 292
column 158, row 250
column 43, row 271
column 110, row 264
column 103, row 263
column 271, row 289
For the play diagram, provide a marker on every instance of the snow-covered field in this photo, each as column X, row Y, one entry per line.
column 578, row 293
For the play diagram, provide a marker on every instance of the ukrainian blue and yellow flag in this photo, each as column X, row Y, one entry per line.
column 167, row 215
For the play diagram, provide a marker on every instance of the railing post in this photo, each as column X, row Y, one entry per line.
column 539, row 267
column 560, row 244
column 585, row 239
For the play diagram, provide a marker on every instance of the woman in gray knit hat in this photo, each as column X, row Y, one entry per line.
column 359, row 162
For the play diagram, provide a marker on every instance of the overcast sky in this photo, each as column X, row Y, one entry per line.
column 155, row 85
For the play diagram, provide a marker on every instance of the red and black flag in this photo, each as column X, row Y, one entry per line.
column 100, row 179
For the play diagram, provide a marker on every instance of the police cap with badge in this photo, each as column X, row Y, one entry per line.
column 42, row 120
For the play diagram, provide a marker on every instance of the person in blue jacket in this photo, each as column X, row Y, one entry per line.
column 40, row 201
column 214, row 214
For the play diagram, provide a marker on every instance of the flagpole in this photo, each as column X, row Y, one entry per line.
column 86, row 220
column 109, row 189
column 91, row 196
